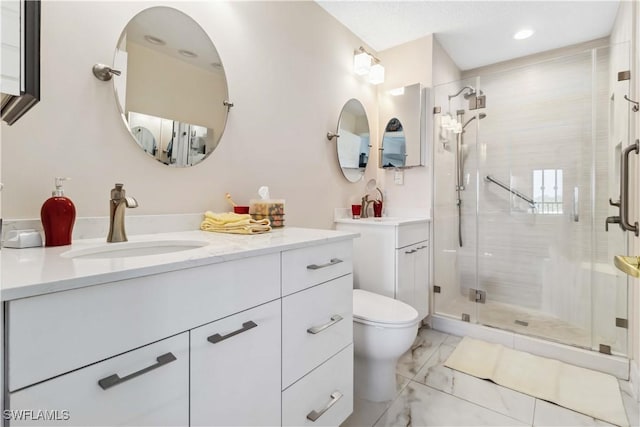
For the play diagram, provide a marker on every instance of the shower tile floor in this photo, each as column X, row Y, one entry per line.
column 538, row 324
column 429, row 394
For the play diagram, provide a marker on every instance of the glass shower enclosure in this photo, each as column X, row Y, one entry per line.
column 525, row 162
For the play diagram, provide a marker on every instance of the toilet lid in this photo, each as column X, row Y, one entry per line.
column 380, row 309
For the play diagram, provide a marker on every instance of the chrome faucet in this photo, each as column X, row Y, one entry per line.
column 119, row 202
column 365, row 206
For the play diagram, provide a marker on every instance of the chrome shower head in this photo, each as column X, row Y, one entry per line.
column 472, row 92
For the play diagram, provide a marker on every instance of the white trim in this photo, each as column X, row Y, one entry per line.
column 614, row 365
column 634, row 379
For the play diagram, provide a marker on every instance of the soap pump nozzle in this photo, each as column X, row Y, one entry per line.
column 59, row 191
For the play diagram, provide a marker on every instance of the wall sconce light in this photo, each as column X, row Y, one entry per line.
column 362, row 63
column 365, row 63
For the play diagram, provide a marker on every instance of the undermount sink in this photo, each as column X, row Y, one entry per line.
column 134, row 249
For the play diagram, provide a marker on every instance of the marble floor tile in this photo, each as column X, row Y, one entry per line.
column 549, row 414
column 419, row 405
column 425, row 344
column 452, row 340
column 366, row 413
column 434, row 374
column 631, row 405
column 475, row 390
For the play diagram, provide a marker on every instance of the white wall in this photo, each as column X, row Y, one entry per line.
column 289, row 73
column 404, row 65
column 165, row 87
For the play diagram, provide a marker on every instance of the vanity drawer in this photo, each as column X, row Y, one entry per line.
column 302, row 268
column 409, row 234
column 59, row 332
column 158, row 395
column 331, row 382
column 235, row 369
column 316, row 324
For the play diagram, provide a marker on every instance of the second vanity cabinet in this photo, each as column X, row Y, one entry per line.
column 220, row 344
column 392, row 257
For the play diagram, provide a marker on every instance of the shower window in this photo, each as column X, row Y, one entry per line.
column 547, row 191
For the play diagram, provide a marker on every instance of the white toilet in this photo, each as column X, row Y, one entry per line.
column 383, row 330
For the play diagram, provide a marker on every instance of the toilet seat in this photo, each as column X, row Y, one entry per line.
column 378, row 310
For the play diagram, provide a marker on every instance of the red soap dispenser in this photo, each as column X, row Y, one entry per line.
column 58, row 215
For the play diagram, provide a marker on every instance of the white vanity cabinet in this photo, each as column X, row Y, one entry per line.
column 392, row 257
column 317, row 335
column 235, row 369
column 218, row 344
column 148, row 386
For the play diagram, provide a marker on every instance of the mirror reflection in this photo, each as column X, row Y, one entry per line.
column 394, row 143
column 172, row 88
column 403, row 111
column 353, row 140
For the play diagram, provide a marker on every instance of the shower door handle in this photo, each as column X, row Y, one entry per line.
column 624, row 188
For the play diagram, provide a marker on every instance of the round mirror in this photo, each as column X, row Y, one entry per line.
column 353, row 140
column 394, row 144
column 172, row 88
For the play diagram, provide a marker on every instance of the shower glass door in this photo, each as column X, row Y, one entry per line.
column 540, row 161
column 455, row 201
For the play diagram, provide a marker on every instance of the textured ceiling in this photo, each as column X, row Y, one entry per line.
column 476, row 33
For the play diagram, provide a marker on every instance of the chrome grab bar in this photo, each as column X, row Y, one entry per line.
column 511, row 190
column 624, row 188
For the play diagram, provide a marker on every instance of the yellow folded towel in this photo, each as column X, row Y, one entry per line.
column 233, row 223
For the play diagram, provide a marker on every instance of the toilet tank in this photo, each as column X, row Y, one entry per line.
column 391, row 258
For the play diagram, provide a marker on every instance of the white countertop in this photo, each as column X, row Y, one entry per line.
column 382, row 221
column 36, row 271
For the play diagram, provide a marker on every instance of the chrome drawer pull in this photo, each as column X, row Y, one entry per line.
column 411, row 251
column 421, row 247
column 333, row 261
column 316, row 329
column 313, row 415
column 114, row 379
column 216, row 338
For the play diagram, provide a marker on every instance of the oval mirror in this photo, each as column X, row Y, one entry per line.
column 172, row 88
column 353, row 140
column 394, row 154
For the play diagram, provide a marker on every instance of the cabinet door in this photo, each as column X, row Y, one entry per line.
column 148, row 386
column 405, row 274
column 412, row 277
column 421, row 258
column 235, row 369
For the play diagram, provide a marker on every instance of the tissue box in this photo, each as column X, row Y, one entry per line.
column 275, row 220
column 268, row 207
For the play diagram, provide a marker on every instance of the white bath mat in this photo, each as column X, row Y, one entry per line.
column 582, row 390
